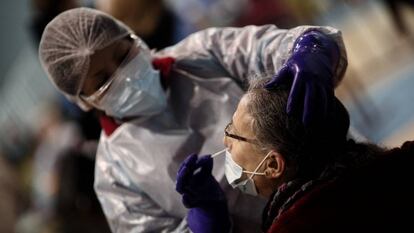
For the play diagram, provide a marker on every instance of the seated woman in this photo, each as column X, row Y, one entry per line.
column 315, row 179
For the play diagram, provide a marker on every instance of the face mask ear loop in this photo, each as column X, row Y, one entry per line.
column 258, row 167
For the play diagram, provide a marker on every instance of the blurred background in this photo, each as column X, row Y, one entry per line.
column 47, row 145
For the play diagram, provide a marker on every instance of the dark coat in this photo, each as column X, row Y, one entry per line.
column 378, row 197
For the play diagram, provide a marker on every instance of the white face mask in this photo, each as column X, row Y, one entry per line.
column 234, row 172
column 135, row 90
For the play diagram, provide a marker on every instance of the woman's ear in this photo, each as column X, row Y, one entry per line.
column 275, row 166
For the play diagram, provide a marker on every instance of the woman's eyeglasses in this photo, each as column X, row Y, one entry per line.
column 237, row 137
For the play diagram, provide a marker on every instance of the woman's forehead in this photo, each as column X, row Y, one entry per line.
column 242, row 119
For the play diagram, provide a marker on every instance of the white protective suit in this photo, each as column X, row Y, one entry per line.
column 136, row 166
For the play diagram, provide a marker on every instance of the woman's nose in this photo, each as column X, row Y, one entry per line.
column 226, row 142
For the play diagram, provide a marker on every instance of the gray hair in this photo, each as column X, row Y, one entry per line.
column 303, row 148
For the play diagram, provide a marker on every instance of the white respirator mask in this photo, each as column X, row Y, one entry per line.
column 234, row 172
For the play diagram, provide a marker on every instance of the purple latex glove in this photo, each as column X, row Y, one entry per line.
column 310, row 70
column 203, row 195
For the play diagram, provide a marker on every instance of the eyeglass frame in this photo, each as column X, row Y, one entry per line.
column 237, row 137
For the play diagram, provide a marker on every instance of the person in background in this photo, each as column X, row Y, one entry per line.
column 10, row 196
column 395, row 10
column 151, row 20
column 77, row 208
column 44, row 11
column 158, row 106
column 314, row 179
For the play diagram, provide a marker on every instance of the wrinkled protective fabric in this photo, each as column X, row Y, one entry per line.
column 69, row 40
column 137, row 165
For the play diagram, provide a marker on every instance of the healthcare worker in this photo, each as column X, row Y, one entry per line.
column 159, row 107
